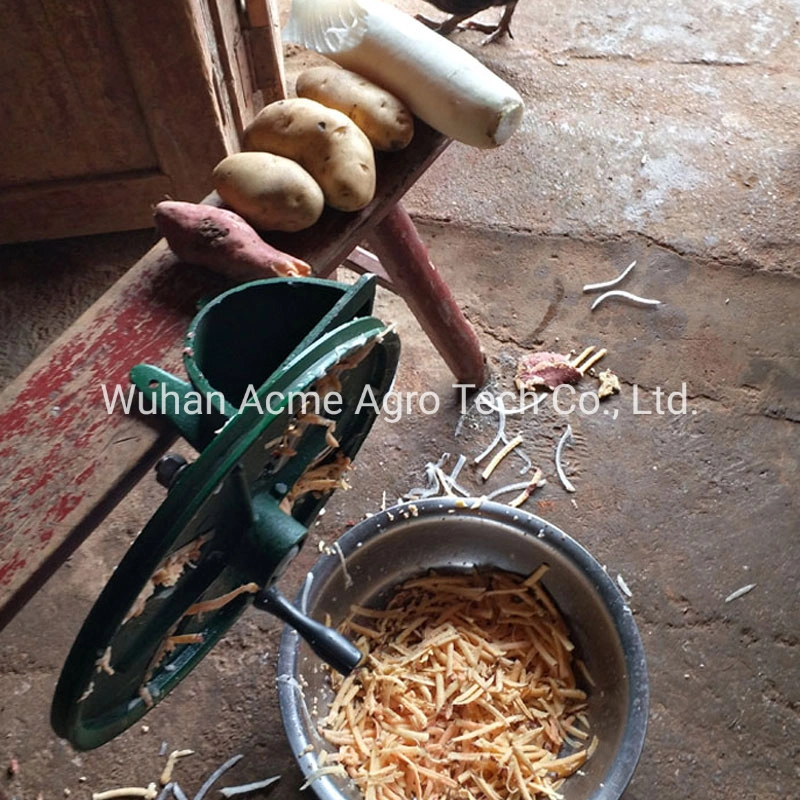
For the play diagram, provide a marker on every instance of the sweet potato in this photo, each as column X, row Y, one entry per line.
column 222, row 241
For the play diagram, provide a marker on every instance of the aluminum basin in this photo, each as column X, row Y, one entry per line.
column 408, row 540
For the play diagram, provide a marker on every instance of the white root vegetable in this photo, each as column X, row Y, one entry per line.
column 440, row 82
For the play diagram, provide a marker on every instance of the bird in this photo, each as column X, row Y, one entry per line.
column 463, row 9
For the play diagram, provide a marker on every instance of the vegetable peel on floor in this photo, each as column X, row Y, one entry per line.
column 609, row 384
column 149, row 793
column 501, row 436
column 216, row 775
column 624, row 586
column 562, row 476
column 245, row 788
column 740, row 592
column 500, row 455
column 178, row 792
column 590, row 362
column 544, row 371
column 631, row 298
column 525, row 489
column 585, row 353
column 535, row 482
column 166, row 775
column 598, row 287
column 173, row 788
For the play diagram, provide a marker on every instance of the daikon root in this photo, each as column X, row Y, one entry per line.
column 439, row 81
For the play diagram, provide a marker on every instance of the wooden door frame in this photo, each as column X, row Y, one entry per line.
column 181, row 56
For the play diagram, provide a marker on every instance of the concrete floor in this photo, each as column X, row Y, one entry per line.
column 665, row 134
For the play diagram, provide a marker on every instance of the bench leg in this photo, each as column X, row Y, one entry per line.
column 404, row 257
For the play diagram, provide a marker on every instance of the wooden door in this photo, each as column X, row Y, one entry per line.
column 108, row 106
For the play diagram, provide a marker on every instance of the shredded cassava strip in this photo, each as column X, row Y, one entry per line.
column 468, row 692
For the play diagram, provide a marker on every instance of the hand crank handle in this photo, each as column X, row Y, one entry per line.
column 330, row 645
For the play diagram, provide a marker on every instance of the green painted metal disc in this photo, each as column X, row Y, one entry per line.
column 234, row 517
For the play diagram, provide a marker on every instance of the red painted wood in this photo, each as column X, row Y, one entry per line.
column 364, row 262
column 396, row 242
column 66, row 461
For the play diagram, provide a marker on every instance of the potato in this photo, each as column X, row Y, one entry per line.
column 271, row 192
column 324, row 141
column 388, row 123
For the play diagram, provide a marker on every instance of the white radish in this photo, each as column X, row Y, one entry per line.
column 440, row 82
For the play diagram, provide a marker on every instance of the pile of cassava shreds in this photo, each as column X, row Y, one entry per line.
column 467, row 692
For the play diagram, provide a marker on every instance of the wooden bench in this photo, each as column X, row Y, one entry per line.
column 67, row 462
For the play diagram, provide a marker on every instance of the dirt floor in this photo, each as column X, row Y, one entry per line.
column 662, row 134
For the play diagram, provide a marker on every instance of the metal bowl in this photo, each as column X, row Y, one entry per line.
column 408, row 540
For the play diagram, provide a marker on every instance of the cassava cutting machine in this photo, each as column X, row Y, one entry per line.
column 278, row 371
